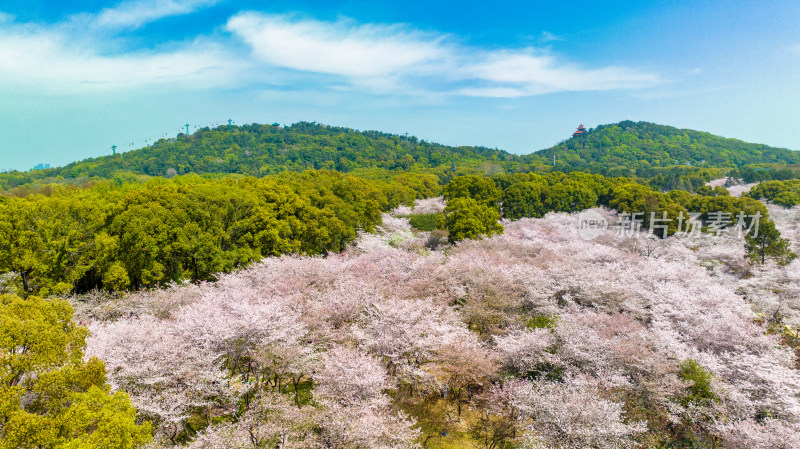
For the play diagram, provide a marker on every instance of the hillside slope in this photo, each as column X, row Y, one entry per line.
column 535, row 338
column 684, row 158
column 640, row 147
column 260, row 150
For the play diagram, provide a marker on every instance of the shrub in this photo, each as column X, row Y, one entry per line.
column 116, row 278
column 425, row 222
column 787, row 199
column 699, row 392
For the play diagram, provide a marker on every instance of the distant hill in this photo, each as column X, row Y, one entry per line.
column 668, row 156
column 260, row 150
column 628, row 148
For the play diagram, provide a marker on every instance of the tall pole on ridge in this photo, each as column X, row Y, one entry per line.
column 187, row 129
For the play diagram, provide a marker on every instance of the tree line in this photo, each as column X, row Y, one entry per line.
column 129, row 236
column 476, row 203
column 783, row 193
column 146, row 235
column 668, row 158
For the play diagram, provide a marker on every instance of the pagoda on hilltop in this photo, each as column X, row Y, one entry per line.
column 580, row 131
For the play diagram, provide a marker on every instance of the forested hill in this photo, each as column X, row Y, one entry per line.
column 260, row 150
column 618, row 148
column 669, row 157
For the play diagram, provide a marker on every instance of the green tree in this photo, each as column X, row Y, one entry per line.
column 50, row 397
column 116, row 278
column 479, row 188
column 767, row 242
column 465, row 218
column 787, row 199
column 524, row 199
column 699, row 389
column 47, row 241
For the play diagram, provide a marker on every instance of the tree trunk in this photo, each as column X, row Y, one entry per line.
column 296, row 383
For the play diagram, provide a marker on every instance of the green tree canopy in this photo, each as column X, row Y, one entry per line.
column 479, row 188
column 767, row 243
column 465, row 218
column 50, row 397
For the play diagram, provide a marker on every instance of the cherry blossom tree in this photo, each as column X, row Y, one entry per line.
column 464, row 368
column 360, row 327
column 573, row 415
column 270, row 421
column 198, row 356
column 408, row 334
column 355, row 412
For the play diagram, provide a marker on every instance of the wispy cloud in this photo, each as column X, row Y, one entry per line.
column 48, row 61
column 550, row 37
column 337, row 48
column 668, row 92
column 284, row 51
column 529, row 73
column 135, row 13
column 5, row 17
column 369, row 55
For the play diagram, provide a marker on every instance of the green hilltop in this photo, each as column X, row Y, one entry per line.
column 647, row 149
column 260, row 150
column 670, row 157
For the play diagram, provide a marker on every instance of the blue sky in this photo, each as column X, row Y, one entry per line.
column 79, row 76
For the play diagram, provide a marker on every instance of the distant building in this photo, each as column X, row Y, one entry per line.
column 580, row 131
column 41, row 166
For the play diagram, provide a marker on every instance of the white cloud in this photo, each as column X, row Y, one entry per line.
column 81, row 53
column 549, row 37
column 135, row 13
column 337, row 48
column 392, row 57
column 285, row 51
column 532, row 74
column 492, row 92
column 48, row 61
column 5, row 17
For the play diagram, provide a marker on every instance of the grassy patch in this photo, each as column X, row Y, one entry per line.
column 304, row 392
column 438, row 420
column 542, row 322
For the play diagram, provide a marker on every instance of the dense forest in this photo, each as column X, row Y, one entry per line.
column 259, row 150
column 668, row 157
column 675, row 156
column 120, row 223
column 187, row 228
column 475, row 203
column 784, row 193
